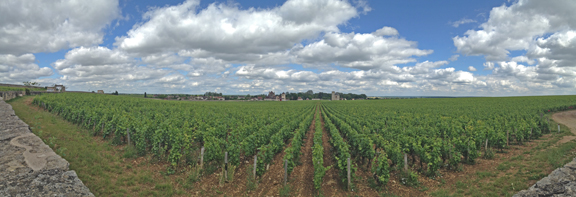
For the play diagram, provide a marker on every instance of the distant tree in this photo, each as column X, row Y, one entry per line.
column 309, row 92
column 115, row 93
column 28, row 83
column 144, row 94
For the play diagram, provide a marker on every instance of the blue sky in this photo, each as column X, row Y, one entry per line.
column 404, row 48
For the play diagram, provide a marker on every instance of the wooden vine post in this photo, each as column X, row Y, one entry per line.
column 486, row 147
column 285, row 172
column 507, row 137
column 226, row 166
column 202, row 157
column 349, row 174
column 128, row 135
column 255, row 162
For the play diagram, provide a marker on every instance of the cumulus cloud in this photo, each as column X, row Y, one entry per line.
column 515, row 27
column 84, row 68
column 454, row 57
column 16, row 69
column 359, row 51
column 49, row 26
column 222, row 30
column 544, row 31
column 471, row 68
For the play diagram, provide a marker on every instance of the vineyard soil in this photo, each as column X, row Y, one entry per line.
column 303, row 174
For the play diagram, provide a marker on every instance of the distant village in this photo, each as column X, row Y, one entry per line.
column 271, row 96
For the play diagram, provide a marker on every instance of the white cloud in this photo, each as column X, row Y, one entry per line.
column 544, row 30
column 515, row 27
column 93, row 56
column 100, row 67
column 359, row 51
column 453, row 57
column 49, row 26
column 462, row 22
column 386, row 31
column 226, row 32
column 471, row 68
column 16, row 69
column 488, row 65
column 523, row 59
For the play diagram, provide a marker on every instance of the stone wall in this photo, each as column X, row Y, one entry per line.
column 28, row 167
column 561, row 182
column 7, row 95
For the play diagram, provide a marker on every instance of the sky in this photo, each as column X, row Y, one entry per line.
column 374, row 47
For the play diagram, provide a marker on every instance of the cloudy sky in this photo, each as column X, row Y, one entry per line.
column 404, row 48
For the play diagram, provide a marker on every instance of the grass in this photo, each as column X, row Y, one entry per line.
column 517, row 172
column 105, row 169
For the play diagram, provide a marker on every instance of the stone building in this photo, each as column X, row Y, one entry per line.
column 335, row 96
column 271, row 95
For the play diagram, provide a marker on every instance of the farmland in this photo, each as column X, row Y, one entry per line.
column 416, row 138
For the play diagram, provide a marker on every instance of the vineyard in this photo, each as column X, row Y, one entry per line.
column 382, row 137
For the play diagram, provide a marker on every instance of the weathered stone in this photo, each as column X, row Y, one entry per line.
column 560, row 182
column 28, row 166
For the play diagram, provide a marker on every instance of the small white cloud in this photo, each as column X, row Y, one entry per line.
column 488, row 65
column 454, row 58
column 523, row 59
column 462, row 21
column 471, row 68
column 386, row 31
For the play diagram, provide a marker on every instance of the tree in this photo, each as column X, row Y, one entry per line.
column 144, row 94
column 28, row 83
column 309, row 92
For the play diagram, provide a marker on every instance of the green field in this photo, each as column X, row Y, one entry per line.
column 435, row 135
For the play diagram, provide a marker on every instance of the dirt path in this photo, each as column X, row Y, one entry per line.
column 273, row 178
column 567, row 118
column 302, row 176
column 330, row 182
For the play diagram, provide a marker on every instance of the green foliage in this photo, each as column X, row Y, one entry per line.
column 168, row 129
column 409, row 178
column 318, row 156
column 433, row 133
column 251, row 183
column 489, row 154
column 285, row 191
column 381, row 169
